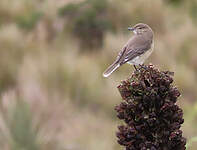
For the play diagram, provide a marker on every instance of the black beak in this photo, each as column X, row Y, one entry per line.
column 131, row 29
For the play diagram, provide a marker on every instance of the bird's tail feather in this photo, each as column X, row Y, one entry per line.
column 111, row 69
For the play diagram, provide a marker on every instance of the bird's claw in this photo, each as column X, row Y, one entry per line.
column 143, row 66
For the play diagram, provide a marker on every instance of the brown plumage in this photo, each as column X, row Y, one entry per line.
column 136, row 50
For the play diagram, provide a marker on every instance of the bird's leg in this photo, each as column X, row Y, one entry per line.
column 135, row 67
column 143, row 66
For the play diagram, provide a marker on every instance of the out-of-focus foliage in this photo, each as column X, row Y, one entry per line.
column 88, row 20
column 28, row 21
column 193, row 10
column 67, row 103
column 22, row 134
column 175, row 2
column 194, row 139
column 11, row 57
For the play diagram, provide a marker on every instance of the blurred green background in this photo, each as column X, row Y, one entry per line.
column 53, row 53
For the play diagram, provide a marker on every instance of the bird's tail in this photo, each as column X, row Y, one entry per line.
column 111, row 69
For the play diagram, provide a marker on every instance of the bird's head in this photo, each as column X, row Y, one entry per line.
column 140, row 28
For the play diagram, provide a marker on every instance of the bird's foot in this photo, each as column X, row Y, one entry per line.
column 140, row 67
column 136, row 69
column 143, row 66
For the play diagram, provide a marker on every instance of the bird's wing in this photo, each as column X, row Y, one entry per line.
column 116, row 63
column 135, row 50
column 120, row 56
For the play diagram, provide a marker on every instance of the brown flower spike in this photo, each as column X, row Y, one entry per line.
column 152, row 118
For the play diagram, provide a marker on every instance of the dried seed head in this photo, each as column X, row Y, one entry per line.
column 152, row 119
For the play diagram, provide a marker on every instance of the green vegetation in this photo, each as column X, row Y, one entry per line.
column 67, row 104
column 28, row 21
column 88, row 21
column 20, row 125
column 175, row 2
column 193, row 10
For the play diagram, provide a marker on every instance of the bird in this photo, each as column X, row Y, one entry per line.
column 136, row 50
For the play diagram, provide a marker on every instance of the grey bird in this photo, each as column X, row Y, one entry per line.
column 136, row 50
